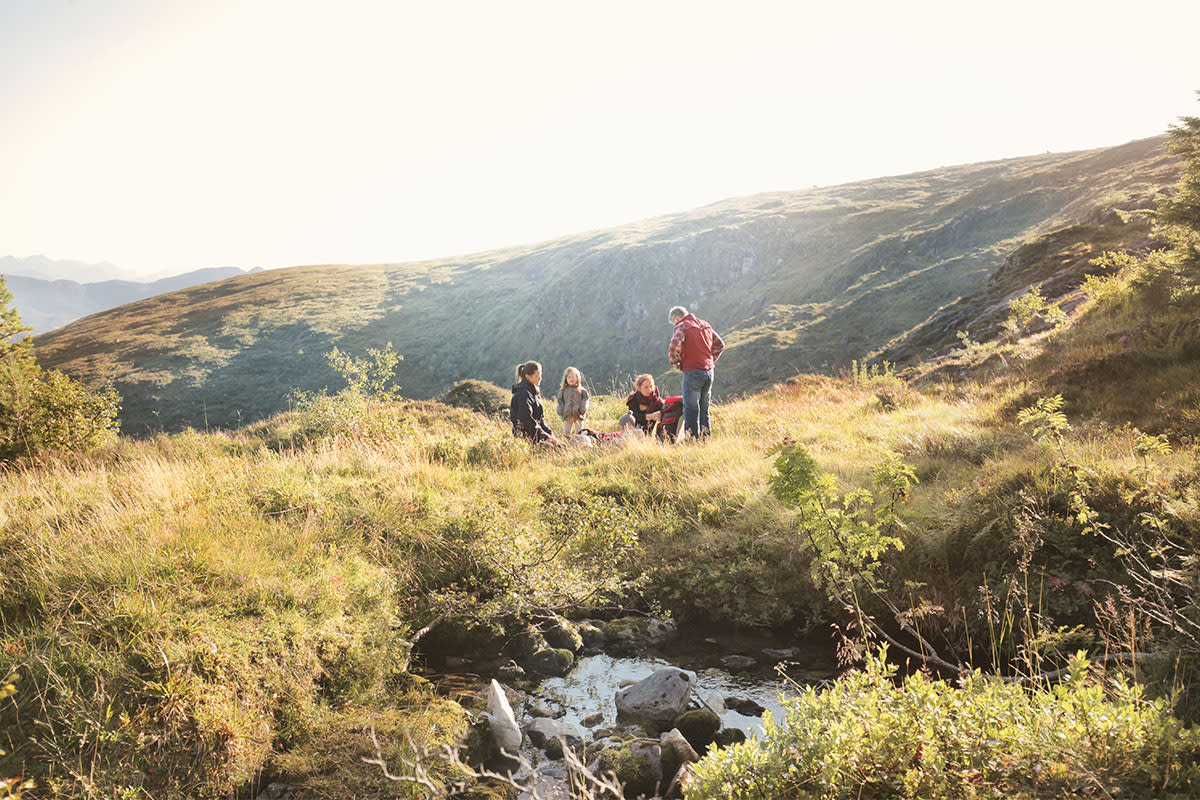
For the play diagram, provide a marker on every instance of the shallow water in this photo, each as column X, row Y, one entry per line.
column 591, row 686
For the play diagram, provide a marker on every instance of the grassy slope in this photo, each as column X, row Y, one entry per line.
column 795, row 281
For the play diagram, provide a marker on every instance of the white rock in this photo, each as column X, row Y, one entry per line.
column 502, row 721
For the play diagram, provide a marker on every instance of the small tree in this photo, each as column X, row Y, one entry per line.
column 1179, row 213
column 43, row 409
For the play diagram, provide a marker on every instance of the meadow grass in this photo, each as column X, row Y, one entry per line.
column 197, row 614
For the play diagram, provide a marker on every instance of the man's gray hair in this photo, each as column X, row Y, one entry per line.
column 676, row 313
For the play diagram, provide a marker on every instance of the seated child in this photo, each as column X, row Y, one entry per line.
column 645, row 404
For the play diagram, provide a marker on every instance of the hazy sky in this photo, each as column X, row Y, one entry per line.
column 164, row 136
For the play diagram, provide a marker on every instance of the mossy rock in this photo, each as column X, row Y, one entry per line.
column 625, row 630
column 563, row 634
column 552, row 661
column 462, row 637
column 634, row 770
column 478, row 745
column 699, row 726
column 486, row 398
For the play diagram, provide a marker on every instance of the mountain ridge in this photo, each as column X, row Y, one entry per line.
column 795, row 281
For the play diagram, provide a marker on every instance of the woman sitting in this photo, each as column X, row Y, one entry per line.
column 645, row 404
column 525, row 408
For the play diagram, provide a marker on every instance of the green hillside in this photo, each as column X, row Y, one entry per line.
column 795, row 281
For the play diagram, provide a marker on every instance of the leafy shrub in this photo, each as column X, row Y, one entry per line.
column 867, row 736
column 45, row 410
column 486, row 398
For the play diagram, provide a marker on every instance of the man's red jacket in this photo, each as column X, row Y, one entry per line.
column 694, row 345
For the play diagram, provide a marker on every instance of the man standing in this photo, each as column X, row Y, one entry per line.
column 694, row 350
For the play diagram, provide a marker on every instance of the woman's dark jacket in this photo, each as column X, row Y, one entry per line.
column 641, row 406
column 525, row 411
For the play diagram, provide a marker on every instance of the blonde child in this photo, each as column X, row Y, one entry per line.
column 572, row 401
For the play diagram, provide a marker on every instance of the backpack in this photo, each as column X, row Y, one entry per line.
column 672, row 413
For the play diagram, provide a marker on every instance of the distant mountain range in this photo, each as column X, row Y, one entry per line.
column 57, row 269
column 47, row 303
column 794, row 281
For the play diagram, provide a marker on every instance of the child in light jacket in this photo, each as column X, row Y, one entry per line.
column 572, row 401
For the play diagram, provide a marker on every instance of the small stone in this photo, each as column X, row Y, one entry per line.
column 745, row 706
column 780, row 655
column 737, row 663
column 510, row 672
column 592, row 720
column 727, row 736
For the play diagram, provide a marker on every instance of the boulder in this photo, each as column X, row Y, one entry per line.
column 543, row 730
column 637, row 766
column 500, row 719
column 698, row 726
column 552, row 662
column 658, row 699
column 624, row 632
column 562, row 634
column 676, row 751
column 679, row 745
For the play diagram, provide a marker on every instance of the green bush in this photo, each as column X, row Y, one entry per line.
column 45, row 410
column 867, row 736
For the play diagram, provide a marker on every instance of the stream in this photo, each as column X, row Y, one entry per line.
column 728, row 666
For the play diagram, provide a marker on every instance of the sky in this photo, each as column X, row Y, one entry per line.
column 163, row 136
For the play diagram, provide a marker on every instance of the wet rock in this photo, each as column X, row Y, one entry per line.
column 543, row 731
column 728, row 736
column 592, row 720
column 562, row 634
column 510, row 672
column 279, row 791
column 680, row 748
column 539, row 710
column 736, row 663
column 710, row 699
column 745, row 706
column 780, row 655
column 658, row 699
column 552, row 783
column 552, row 662
column 698, row 726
